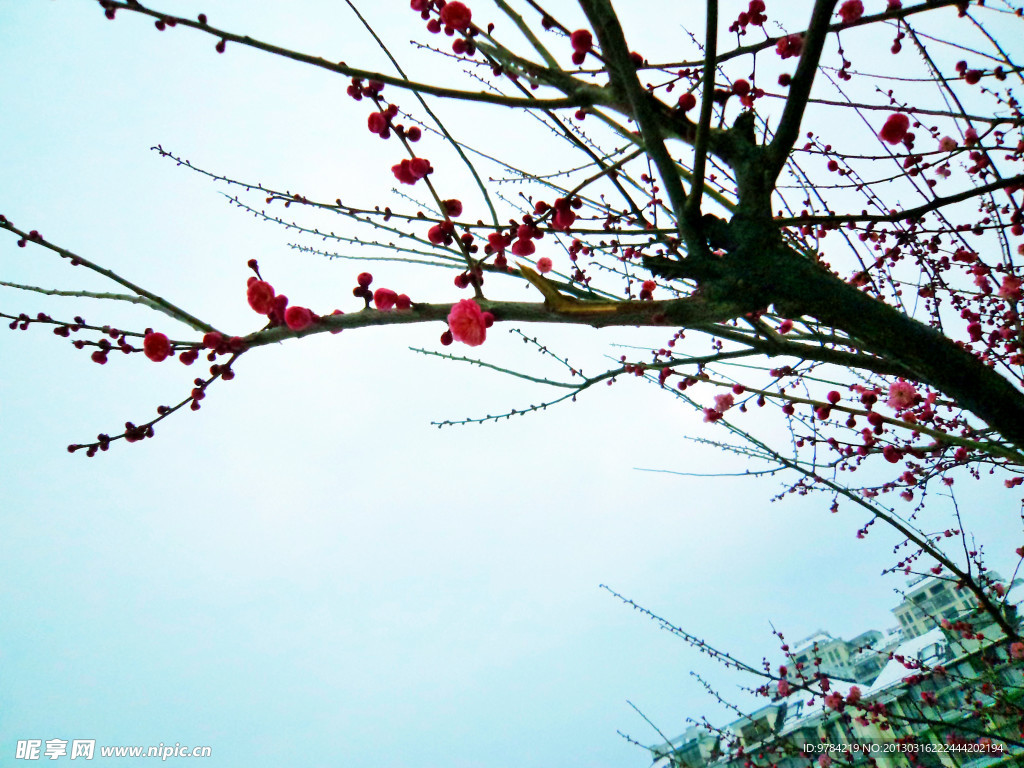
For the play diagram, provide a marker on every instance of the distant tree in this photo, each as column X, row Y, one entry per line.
column 837, row 247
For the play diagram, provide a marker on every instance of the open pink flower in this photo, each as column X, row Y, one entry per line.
column 156, row 346
column 784, row 688
column 723, row 402
column 834, row 700
column 851, row 11
column 544, row 265
column 467, row 323
column 456, row 16
column 411, row 171
column 1017, row 650
column 789, row 46
column 902, row 394
column 1011, row 287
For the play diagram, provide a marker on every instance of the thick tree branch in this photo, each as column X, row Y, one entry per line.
column 780, row 346
column 693, row 311
column 700, row 144
column 800, row 89
column 623, row 74
column 933, row 358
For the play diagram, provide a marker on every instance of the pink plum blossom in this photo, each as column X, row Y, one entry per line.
column 467, row 323
column 902, row 394
column 1011, row 288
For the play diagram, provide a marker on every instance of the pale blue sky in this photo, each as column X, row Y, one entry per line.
column 306, row 572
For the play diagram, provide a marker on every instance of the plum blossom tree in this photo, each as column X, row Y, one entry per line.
column 824, row 220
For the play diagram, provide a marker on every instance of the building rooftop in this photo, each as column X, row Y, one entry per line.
column 926, row 647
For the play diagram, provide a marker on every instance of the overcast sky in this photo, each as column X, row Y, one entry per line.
column 306, row 572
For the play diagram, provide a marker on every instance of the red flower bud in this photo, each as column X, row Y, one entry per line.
column 377, row 123
column 523, row 247
column 581, row 40
column 895, row 128
column 298, row 318
column 156, row 346
column 385, row 299
column 261, row 296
